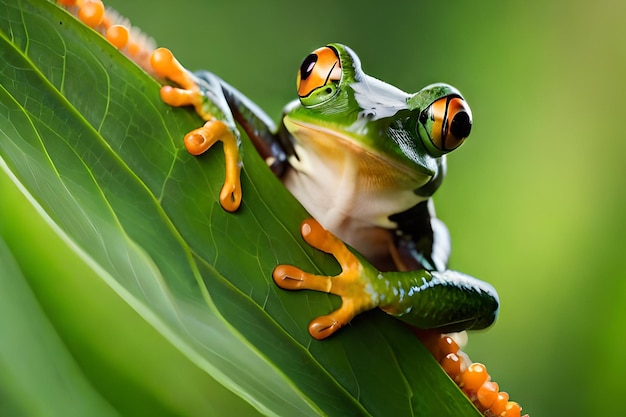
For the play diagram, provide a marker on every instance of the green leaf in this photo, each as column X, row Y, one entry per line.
column 25, row 353
column 142, row 294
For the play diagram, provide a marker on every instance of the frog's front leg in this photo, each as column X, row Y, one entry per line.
column 448, row 300
column 215, row 128
column 205, row 94
column 349, row 284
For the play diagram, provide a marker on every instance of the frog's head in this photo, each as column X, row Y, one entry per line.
column 408, row 130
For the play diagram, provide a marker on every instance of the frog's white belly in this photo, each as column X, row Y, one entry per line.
column 352, row 194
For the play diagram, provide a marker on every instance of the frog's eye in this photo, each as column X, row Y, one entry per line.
column 446, row 123
column 319, row 76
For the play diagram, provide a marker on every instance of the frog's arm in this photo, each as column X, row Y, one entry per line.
column 222, row 106
column 444, row 301
column 422, row 241
column 205, row 95
column 447, row 301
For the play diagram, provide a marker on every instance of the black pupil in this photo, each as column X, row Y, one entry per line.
column 307, row 66
column 424, row 116
column 461, row 125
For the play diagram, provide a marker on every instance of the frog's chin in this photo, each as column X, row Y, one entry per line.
column 337, row 147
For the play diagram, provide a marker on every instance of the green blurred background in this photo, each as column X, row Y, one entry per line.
column 534, row 200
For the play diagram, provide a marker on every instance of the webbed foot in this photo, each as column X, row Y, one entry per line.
column 349, row 284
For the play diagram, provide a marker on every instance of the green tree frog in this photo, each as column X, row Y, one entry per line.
column 364, row 158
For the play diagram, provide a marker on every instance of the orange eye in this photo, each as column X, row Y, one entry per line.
column 318, row 76
column 448, row 122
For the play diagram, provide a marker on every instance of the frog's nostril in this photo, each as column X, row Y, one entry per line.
column 461, row 125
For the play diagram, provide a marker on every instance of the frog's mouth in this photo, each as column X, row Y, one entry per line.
column 313, row 141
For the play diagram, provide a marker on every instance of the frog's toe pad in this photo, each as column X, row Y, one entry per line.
column 231, row 194
column 164, row 63
column 324, row 326
column 167, row 66
column 198, row 141
column 314, row 234
column 288, row 277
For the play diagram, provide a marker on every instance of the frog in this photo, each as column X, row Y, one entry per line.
column 364, row 158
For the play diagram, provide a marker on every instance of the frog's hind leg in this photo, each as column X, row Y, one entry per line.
column 349, row 284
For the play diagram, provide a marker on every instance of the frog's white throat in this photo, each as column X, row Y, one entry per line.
column 350, row 191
